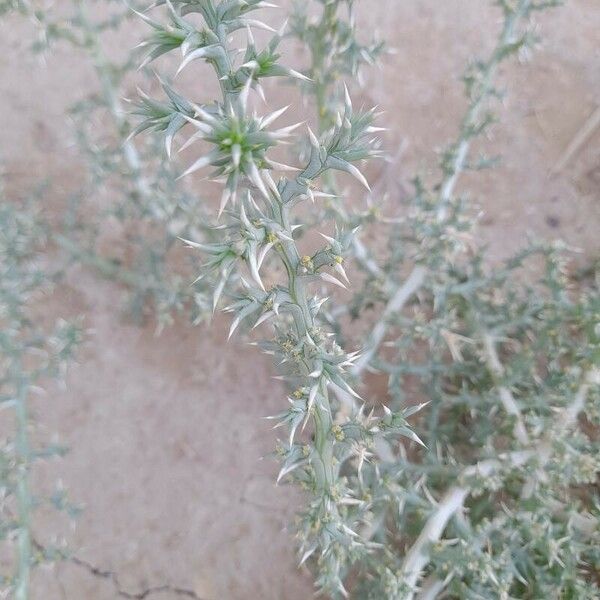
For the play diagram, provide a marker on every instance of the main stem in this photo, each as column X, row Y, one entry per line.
column 23, row 457
column 324, row 468
column 323, row 419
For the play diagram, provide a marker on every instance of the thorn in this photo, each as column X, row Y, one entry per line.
column 331, row 279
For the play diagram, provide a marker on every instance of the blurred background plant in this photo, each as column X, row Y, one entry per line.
column 31, row 352
column 130, row 210
column 127, row 187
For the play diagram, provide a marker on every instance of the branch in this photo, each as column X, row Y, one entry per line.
column 431, row 588
column 23, row 491
column 448, row 184
column 396, row 303
column 104, row 72
column 578, row 142
column 506, row 397
column 453, row 500
column 568, row 419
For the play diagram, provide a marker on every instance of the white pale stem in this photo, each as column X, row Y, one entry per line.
column 23, row 492
column 431, row 588
column 453, row 500
column 403, row 294
column 506, row 397
column 447, row 190
column 362, row 257
column 569, row 418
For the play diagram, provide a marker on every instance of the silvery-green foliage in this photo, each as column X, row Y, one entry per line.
column 30, row 354
column 500, row 502
column 128, row 185
column 335, row 51
column 258, row 224
column 338, row 48
column 8, row 6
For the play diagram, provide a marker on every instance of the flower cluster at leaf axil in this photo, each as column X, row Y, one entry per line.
column 498, row 409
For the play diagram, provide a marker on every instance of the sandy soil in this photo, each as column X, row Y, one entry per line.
column 166, row 433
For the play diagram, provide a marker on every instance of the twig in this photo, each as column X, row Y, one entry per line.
column 431, row 588
column 506, row 397
column 380, row 188
column 23, row 491
column 103, row 70
column 453, row 500
column 403, row 294
column 568, row 419
column 447, row 187
column 578, row 141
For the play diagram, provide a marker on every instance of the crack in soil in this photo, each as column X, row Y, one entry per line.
column 141, row 595
column 113, row 577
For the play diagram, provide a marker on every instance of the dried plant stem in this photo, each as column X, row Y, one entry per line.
column 578, row 142
column 567, row 420
column 474, row 113
column 431, row 588
column 397, row 302
column 417, row 558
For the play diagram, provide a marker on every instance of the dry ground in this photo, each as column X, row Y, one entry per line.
column 166, row 433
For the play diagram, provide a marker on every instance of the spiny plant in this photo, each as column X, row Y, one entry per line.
column 335, row 52
column 506, row 367
column 30, row 354
column 260, row 223
column 129, row 187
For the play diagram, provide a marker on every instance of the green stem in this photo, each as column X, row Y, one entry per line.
column 103, row 69
column 319, row 69
column 23, row 457
column 323, row 421
column 290, row 256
